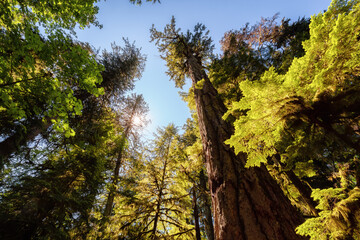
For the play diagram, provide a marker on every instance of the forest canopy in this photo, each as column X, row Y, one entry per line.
column 271, row 150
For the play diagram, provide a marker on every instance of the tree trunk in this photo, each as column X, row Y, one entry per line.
column 196, row 215
column 112, row 190
column 304, row 189
column 357, row 172
column 247, row 202
column 206, row 207
column 13, row 143
column 160, row 196
column 115, row 177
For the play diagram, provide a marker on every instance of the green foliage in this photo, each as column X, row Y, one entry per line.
column 41, row 72
column 50, row 15
column 122, row 66
column 282, row 109
column 55, row 194
column 339, row 218
column 307, row 114
column 160, row 206
column 52, row 87
column 250, row 51
column 176, row 47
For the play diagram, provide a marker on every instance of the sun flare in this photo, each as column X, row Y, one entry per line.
column 137, row 121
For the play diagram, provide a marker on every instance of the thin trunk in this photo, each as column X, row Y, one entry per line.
column 196, row 215
column 357, row 172
column 111, row 195
column 206, row 207
column 304, row 189
column 115, row 178
column 247, row 202
column 159, row 197
column 157, row 214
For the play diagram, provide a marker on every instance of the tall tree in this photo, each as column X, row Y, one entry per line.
column 247, row 202
column 57, row 184
column 134, row 107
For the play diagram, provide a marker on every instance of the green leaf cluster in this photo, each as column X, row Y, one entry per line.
column 41, row 65
column 339, row 218
column 281, row 109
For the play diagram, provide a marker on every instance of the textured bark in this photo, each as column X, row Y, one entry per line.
column 247, row 202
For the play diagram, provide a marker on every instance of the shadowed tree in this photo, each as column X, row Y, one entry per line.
column 247, row 54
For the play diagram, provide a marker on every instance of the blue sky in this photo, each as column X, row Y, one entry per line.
column 120, row 19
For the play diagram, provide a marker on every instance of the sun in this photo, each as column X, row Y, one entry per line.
column 137, row 121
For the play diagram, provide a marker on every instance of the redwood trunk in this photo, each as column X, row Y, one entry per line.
column 247, row 202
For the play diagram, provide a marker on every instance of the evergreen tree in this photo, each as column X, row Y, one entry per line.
column 240, row 196
column 39, row 71
column 161, row 207
column 134, row 108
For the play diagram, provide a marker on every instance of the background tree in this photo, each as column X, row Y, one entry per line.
column 250, row 51
column 39, row 71
column 60, row 174
column 161, row 207
column 134, row 108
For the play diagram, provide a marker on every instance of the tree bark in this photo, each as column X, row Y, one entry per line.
column 247, row 202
